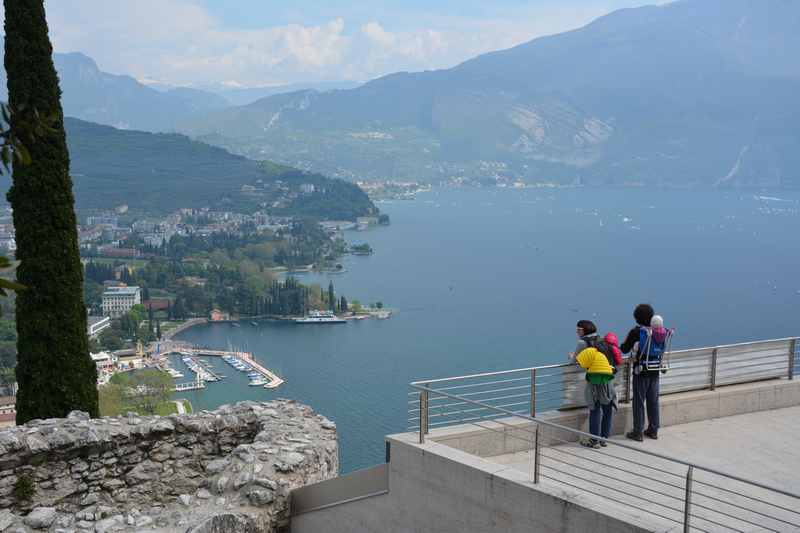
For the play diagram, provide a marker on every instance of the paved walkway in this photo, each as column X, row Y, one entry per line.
column 180, row 406
column 761, row 446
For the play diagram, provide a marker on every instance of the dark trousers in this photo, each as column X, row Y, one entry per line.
column 645, row 391
column 600, row 420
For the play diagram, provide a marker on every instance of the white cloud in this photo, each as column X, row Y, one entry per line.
column 179, row 42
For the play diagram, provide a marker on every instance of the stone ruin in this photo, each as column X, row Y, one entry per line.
column 231, row 469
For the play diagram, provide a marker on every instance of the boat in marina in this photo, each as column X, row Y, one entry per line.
column 174, row 373
column 320, row 317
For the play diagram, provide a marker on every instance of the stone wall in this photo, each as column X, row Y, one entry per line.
column 226, row 470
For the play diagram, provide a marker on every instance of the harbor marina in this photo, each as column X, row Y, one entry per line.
column 204, row 372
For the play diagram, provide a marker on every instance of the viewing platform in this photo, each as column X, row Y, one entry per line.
column 499, row 452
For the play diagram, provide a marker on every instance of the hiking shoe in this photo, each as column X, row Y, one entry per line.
column 602, row 443
column 652, row 434
column 590, row 443
column 634, row 435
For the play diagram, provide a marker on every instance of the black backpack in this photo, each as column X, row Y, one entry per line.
column 604, row 348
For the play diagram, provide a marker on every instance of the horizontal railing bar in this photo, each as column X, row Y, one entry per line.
column 485, row 383
column 506, row 397
column 745, row 509
column 485, row 374
column 671, row 354
column 560, row 450
column 606, row 496
column 626, row 482
column 742, row 495
column 485, row 417
column 695, row 504
column 524, row 387
column 615, row 489
column 626, row 446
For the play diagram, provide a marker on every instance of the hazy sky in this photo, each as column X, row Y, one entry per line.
column 265, row 42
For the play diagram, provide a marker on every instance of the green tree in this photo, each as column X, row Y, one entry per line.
column 54, row 370
column 110, row 339
column 158, row 329
column 331, row 297
column 142, row 390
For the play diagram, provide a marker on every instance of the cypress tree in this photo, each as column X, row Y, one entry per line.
column 331, row 297
column 54, row 370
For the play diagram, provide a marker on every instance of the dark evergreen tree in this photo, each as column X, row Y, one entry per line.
column 331, row 297
column 158, row 329
column 343, row 304
column 54, row 371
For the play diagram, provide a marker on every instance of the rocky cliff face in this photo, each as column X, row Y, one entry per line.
column 226, row 470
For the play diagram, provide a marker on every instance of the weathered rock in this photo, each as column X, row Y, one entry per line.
column 224, row 523
column 6, row 519
column 260, row 496
column 41, row 517
column 138, row 473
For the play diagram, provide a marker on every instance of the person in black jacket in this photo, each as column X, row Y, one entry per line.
column 645, row 383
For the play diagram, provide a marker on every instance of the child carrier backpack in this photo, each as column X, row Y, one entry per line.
column 604, row 348
column 654, row 345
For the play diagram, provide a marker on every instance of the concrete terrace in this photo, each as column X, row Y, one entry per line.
column 758, row 446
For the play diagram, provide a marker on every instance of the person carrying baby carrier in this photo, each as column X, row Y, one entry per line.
column 649, row 342
column 599, row 359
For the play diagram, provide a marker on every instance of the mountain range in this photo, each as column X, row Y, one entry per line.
column 692, row 93
column 91, row 94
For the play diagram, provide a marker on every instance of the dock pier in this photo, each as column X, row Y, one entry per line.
column 274, row 381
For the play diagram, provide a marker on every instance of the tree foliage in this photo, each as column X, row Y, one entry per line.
column 54, row 370
column 141, row 391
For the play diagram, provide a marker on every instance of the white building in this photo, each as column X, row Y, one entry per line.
column 118, row 300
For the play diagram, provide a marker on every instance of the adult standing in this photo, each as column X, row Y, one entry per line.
column 600, row 395
column 646, row 383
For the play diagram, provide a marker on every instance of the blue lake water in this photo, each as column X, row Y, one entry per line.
column 494, row 279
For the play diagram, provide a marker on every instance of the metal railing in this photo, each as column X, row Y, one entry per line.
column 537, row 389
column 652, row 485
column 665, row 488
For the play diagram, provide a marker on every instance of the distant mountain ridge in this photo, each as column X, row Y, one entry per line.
column 693, row 93
column 123, row 102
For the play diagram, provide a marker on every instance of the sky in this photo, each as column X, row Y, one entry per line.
column 247, row 43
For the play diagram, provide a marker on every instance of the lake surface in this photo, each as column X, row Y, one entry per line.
column 493, row 279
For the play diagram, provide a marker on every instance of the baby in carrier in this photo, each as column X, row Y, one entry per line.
column 653, row 342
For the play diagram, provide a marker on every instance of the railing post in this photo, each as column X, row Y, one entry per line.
column 423, row 415
column 626, row 398
column 536, row 456
column 687, row 501
column 533, row 392
column 792, row 349
column 713, row 384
